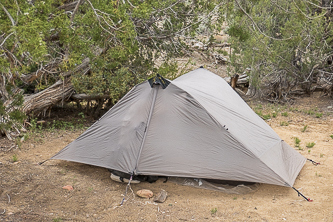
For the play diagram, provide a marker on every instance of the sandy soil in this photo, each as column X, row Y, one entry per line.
column 32, row 192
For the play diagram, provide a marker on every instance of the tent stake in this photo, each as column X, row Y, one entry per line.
column 313, row 162
column 40, row 163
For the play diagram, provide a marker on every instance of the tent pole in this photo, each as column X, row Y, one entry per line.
column 156, row 87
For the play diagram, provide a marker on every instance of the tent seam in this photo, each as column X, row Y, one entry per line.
column 217, row 122
column 147, row 127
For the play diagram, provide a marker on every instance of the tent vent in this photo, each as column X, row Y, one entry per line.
column 158, row 80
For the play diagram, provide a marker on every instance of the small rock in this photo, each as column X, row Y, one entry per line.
column 68, row 187
column 144, row 193
column 161, row 197
column 329, row 107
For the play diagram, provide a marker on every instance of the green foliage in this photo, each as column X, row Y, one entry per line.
column 263, row 116
column 283, row 123
column 293, row 109
column 213, row 211
column 297, row 141
column 310, row 145
column 238, row 32
column 266, row 117
column 304, row 128
column 331, row 136
column 318, row 115
column 281, row 43
column 309, row 112
column 125, row 42
column 284, row 114
column 14, row 158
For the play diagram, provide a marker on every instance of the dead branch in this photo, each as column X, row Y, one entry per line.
column 3, row 42
column 43, row 100
column 79, row 2
column 8, row 14
column 8, row 198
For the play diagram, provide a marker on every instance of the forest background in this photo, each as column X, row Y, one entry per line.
column 91, row 52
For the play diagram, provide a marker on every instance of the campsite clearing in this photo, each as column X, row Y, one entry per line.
column 30, row 192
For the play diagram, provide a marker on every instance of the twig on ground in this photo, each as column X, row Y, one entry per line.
column 8, row 198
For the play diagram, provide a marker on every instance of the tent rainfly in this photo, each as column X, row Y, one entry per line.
column 194, row 126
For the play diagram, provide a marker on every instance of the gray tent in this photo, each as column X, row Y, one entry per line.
column 195, row 126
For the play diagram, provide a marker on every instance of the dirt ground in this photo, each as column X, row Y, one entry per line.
column 32, row 192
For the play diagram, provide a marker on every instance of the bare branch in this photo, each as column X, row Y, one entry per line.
column 184, row 29
column 3, row 42
column 8, row 14
column 318, row 6
column 75, row 10
column 306, row 14
column 99, row 21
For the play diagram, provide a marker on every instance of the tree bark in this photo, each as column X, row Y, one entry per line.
column 40, row 102
column 233, row 81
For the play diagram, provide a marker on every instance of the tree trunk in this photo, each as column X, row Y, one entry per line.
column 233, row 81
column 40, row 102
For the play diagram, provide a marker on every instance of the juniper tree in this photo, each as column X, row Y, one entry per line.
column 281, row 45
column 97, row 47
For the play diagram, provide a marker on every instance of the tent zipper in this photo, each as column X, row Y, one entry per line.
column 146, row 129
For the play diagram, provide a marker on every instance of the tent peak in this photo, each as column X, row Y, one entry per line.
column 158, row 80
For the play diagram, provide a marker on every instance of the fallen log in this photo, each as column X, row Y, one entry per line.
column 40, row 102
